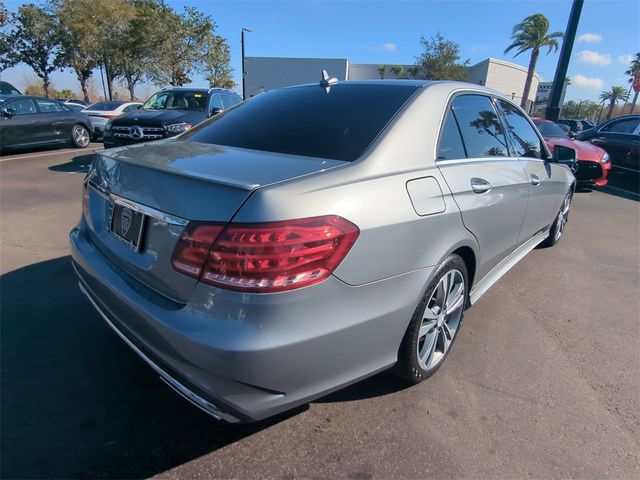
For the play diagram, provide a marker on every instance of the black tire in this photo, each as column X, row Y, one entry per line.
column 80, row 136
column 409, row 365
column 557, row 229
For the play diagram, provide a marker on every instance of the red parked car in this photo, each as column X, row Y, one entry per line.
column 593, row 162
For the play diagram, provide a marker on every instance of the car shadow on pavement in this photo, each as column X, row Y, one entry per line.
column 79, row 163
column 75, row 401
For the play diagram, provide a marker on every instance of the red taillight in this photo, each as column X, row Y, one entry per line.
column 85, row 196
column 269, row 257
column 193, row 247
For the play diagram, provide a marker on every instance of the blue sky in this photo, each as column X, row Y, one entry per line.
column 388, row 32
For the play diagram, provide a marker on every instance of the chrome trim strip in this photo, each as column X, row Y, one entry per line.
column 504, row 266
column 138, row 207
column 194, row 398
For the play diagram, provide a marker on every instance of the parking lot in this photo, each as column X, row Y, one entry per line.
column 544, row 380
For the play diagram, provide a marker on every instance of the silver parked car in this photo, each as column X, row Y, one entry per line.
column 315, row 235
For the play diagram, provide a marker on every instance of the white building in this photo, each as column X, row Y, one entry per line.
column 543, row 95
column 266, row 73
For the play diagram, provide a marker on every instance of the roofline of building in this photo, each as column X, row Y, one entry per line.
column 506, row 64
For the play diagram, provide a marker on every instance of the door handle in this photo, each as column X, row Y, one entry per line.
column 36, row 122
column 535, row 180
column 480, row 185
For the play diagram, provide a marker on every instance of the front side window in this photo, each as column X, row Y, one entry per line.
column 230, row 100
column 216, row 101
column 450, row 146
column 480, row 126
column 24, row 106
column 308, row 120
column 524, row 137
column 177, row 100
column 626, row 125
column 48, row 106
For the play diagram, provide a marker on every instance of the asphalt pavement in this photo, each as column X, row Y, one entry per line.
column 543, row 382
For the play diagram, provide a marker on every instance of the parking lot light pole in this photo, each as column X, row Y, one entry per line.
column 244, row 73
column 553, row 109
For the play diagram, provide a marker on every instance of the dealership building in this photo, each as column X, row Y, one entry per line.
column 266, row 73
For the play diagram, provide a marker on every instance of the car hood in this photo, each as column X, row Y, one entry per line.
column 586, row 150
column 159, row 117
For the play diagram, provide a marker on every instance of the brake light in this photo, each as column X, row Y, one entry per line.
column 268, row 257
column 85, row 196
column 193, row 247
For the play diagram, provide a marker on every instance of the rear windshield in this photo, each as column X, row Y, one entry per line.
column 105, row 106
column 548, row 129
column 307, row 120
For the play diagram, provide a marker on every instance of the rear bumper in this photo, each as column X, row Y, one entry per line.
column 246, row 357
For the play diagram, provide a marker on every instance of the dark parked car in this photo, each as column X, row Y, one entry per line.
column 620, row 138
column 27, row 122
column 168, row 113
column 7, row 89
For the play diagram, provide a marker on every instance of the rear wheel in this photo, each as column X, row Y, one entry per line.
column 435, row 323
column 559, row 224
column 80, row 136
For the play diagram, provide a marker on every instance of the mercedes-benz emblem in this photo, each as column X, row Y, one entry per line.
column 136, row 133
column 125, row 220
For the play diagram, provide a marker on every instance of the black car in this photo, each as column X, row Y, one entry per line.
column 29, row 122
column 620, row 138
column 167, row 113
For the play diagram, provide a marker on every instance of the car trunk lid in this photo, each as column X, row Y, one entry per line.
column 171, row 183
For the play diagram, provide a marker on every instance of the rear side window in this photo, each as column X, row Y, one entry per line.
column 480, row 127
column 524, row 138
column 450, row 146
column 626, row 125
column 339, row 124
column 48, row 106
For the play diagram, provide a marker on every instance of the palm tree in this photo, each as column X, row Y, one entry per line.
column 634, row 70
column 381, row 70
column 532, row 34
column 613, row 96
column 397, row 70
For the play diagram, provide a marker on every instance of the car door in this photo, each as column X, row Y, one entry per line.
column 621, row 141
column 18, row 129
column 546, row 185
column 489, row 186
column 54, row 121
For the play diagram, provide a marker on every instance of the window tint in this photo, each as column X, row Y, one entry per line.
column 626, row 125
column 216, row 101
column 524, row 138
column 339, row 124
column 230, row 100
column 48, row 106
column 107, row 106
column 177, row 100
column 481, row 129
column 450, row 145
column 131, row 108
column 24, row 106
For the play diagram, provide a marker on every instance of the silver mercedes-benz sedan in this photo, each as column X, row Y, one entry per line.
column 315, row 235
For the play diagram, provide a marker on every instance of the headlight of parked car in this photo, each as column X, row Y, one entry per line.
column 177, row 128
column 107, row 127
column 605, row 158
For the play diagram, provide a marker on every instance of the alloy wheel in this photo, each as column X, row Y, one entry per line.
column 563, row 216
column 80, row 136
column 441, row 319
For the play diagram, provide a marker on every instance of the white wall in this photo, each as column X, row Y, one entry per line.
column 506, row 77
column 266, row 73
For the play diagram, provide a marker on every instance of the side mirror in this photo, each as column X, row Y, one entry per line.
column 215, row 111
column 8, row 112
column 566, row 156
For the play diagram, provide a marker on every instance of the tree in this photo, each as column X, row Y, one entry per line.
column 37, row 41
column 580, row 109
column 613, row 96
column 397, row 70
column 632, row 72
column 440, row 59
column 381, row 70
column 185, row 40
column 76, row 40
column 8, row 57
column 532, row 34
column 216, row 63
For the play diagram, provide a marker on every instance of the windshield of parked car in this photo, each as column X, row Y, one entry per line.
column 548, row 129
column 308, row 120
column 105, row 106
column 177, row 100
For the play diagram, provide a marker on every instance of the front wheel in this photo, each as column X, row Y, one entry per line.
column 435, row 323
column 559, row 224
column 80, row 136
